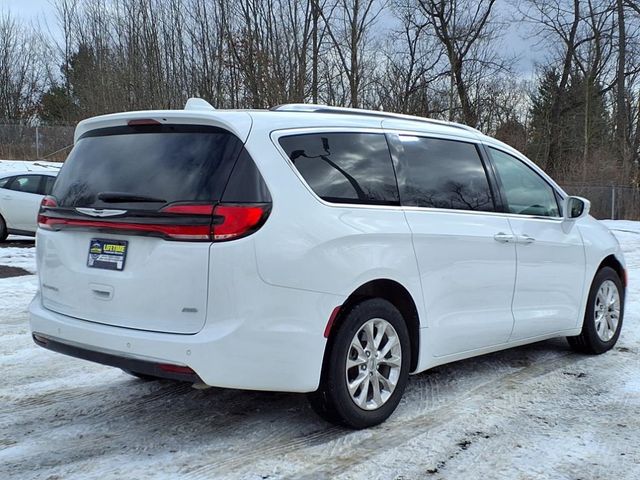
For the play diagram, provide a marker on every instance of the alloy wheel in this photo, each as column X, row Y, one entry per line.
column 374, row 361
column 607, row 310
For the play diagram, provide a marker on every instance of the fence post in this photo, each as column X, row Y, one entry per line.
column 613, row 202
column 37, row 143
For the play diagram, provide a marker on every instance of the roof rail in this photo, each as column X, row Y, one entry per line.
column 310, row 107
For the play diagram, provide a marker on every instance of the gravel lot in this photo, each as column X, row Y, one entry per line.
column 539, row 411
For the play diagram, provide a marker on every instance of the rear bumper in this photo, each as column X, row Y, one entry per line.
column 281, row 351
column 130, row 364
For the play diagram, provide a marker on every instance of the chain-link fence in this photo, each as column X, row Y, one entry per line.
column 43, row 142
column 609, row 201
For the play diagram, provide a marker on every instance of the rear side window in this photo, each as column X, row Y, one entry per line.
column 345, row 167
column 4, row 181
column 440, row 173
column 25, row 183
column 164, row 164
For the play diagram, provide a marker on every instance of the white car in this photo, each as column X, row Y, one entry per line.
column 21, row 192
column 312, row 249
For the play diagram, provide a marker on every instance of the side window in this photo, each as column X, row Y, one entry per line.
column 4, row 181
column 345, row 167
column 525, row 192
column 25, row 183
column 47, row 184
column 442, row 174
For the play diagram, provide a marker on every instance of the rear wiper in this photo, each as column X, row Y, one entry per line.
column 122, row 197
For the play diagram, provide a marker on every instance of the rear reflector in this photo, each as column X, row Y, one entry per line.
column 166, row 367
column 332, row 319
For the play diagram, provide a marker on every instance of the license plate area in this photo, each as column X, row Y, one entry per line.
column 107, row 254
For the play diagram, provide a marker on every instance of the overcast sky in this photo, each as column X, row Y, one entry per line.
column 29, row 9
column 514, row 39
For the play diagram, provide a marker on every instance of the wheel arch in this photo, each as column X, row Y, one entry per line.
column 612, row 262
column 397, row 295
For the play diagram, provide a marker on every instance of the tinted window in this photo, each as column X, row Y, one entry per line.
column 25, row 183
column 442, row 174
column 345, row 167
column 169, row 163
column 525, row 192
column 246, row 184
column 47, row 185
column 4, row 181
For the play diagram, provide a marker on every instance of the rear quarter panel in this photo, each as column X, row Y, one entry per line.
column 310, row 245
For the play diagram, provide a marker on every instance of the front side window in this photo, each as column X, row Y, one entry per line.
column 345, row 167
column 525, row 192
column 25, row 183
column 440, row 173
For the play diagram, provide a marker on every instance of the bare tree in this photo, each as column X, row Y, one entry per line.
column 22, row 72
column 348, row 24
column 414, row 66
column 462, row 27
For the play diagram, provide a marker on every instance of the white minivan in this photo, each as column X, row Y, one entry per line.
column 312, row 249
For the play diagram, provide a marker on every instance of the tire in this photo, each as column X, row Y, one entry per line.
column 141, row 376
column 333, row 401
column 3, row 230
column 598, row 336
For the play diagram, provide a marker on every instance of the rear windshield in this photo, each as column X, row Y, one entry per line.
column 161, row 164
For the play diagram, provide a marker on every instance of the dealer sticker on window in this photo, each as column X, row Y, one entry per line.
column 108, row 254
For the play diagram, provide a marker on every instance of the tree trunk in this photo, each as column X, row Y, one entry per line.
column 621, row 107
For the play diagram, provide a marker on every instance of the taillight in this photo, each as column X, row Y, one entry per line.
column 178, row 221
column 47, row 202
column 237, row 221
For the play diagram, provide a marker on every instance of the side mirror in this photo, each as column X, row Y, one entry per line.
column 575, row 208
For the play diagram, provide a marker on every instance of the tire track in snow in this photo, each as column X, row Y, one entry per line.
column 386, row 437
column 92, row 408
column 214, row 469
column 348, row 447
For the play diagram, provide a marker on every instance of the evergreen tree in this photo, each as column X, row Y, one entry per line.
column 75, row 96
column 582, row 130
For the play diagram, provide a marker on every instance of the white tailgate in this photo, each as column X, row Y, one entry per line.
column 163, row 286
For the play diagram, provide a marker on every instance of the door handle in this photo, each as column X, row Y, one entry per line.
column 503, row 237
column 526, row 239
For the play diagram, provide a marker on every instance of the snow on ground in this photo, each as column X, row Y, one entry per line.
column 31, row 165
column 538, row 411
